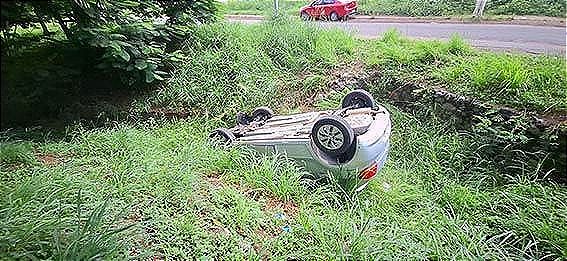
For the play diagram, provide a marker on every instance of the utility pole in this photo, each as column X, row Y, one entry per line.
column 276, row 8
column 479, row 8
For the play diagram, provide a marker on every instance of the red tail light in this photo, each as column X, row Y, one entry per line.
column 351, row 5
column 369, row 172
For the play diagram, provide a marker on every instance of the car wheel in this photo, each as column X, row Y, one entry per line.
column 305, row 16
column 334, row 16
column 242, row 118
column 222, row 136
column 358, row 99
column 332, row 135
column 262, row 114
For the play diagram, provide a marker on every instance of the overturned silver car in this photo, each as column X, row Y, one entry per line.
column 352, row 139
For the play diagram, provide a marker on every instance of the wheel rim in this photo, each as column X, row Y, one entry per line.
column 261, row 117
column 359, row 102
column 220, row 138
column 330, row 137
column 334, row 17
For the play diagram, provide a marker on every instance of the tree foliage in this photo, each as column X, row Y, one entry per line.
column 136, row 36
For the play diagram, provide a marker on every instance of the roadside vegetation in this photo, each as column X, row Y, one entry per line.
column 554, row 8
column 536, row 83
column 155, row 188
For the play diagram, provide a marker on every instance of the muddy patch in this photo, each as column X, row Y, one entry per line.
column 49, row 159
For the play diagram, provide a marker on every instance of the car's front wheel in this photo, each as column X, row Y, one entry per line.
column 332, row 135
column 334, row 16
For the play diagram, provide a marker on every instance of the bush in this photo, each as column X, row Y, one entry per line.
column 527, row 7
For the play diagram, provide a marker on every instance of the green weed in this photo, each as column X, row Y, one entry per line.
column 521, row 81
column 234, row 67
column 16, row 153
column 525, row 82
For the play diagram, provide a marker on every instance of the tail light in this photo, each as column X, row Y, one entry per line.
column 351, row 5
column 369, row 172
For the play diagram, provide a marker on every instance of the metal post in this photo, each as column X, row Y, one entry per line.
column 479, row 8
column 276, row 8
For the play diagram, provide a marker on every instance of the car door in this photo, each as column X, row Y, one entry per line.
column 316, row 8
column 326, row 7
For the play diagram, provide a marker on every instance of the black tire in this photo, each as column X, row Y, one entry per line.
column 242, row 118
column 262, row 114
column 332, row 135
column 305, row 16
column 334, row 16
column 222, row 136
column 358, row 99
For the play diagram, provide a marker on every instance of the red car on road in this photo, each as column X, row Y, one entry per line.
column 328, row 9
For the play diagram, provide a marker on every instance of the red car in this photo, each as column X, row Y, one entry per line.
column 328, row 9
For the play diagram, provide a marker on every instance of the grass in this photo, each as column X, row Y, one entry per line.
column 236, row 54
column 536, row 83
column 258, row 7
column 410, row 8
column 158, row 189
column 519, row 81
column 183, row 198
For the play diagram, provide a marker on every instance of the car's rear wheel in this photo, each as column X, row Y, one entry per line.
column 332, row 135
column 358, row 99
column 305, row 16
column 222, row 136
column 334, row 16
column 262, row 114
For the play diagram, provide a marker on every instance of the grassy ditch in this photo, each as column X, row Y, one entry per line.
column 157, row 189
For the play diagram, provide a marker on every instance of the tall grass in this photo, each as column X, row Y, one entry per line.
column 186, row 199
column 234, row 67
column 520, row 81
column 525, row 82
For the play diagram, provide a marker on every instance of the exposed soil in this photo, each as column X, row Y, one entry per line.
column 49, row 159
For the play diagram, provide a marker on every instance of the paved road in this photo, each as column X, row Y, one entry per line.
column 500, row 37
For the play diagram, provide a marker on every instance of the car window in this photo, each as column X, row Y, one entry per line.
column 317, row 2
column 328, row 2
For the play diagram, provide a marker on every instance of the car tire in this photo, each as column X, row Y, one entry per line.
column 242, row 118
column 358, row 99
column 222, row 136
column 305, row 16
column 332, row 135
column 262, row 114
column 334, row 16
